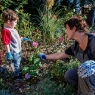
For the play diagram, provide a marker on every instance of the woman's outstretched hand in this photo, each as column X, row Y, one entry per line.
column 42, row 56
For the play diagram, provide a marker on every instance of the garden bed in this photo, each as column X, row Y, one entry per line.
column 48, row 73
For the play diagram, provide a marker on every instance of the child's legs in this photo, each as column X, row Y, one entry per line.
column 16, row 61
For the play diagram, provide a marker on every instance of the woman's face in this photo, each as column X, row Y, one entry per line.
column 70, row 32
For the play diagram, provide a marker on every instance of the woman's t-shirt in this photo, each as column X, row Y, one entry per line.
column 87, row 54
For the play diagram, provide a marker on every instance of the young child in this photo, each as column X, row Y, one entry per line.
column 12, row 40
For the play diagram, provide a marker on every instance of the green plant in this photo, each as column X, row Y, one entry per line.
column 49, row 87
column 3, row 83
column 24, row 26
column 10, row 4
column 5, row 92
column 58, row 69
column 50, row 25
column 74, row 62
column 32, row 68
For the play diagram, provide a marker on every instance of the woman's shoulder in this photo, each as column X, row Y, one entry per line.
column 91, row 40
column 91, row 36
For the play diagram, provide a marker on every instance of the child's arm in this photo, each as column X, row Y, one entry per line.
column 8, row 53
column 6, row 37
column 7, row 48
column 25, row 39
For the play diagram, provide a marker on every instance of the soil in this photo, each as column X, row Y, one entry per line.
column 23, row 86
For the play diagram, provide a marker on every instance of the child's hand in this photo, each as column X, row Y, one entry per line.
column 9, row 56
column 26, row 39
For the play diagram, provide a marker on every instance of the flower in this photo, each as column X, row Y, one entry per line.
column 55, row 17
column 22, row 9
column 61, row 38
column 45, row 14
column 20, row 89
column 35, row 44
column 37, row 31
column 27, row 76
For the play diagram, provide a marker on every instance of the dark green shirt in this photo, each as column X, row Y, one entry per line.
column 87, row 54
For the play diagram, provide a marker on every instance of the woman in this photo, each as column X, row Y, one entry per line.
column 83, row 49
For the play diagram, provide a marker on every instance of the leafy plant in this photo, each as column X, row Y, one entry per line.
column 50, row 25
column 74, row 62
column 33, row 65
column 24, row 26
column 49, row 87
column 5, row 92
column 10, row 4
column 58, row 69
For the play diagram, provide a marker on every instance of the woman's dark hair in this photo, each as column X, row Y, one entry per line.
column 78, row 22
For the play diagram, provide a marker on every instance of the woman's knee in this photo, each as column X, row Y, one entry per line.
column 71, row 76
column 67, row 75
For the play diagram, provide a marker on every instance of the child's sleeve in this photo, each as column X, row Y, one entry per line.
column 6, row 36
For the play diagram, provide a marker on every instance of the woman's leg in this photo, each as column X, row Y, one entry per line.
column 71, row 76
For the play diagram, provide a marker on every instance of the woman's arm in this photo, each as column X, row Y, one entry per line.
column 57, row 56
